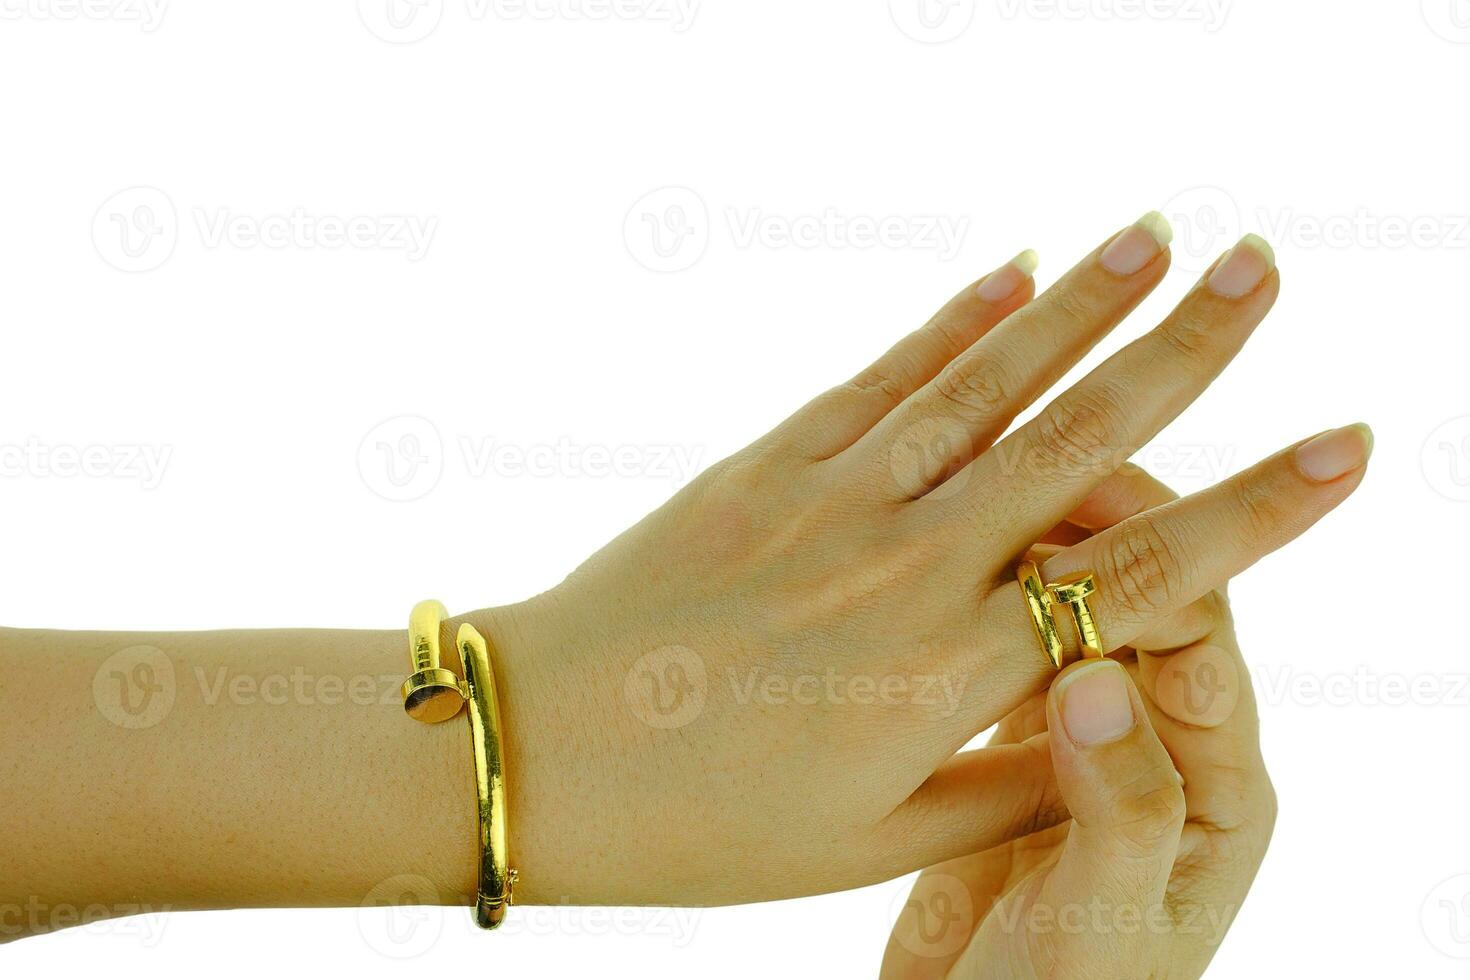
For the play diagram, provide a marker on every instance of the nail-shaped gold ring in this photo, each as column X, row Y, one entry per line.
column 1038, row 603
column 1074, row 591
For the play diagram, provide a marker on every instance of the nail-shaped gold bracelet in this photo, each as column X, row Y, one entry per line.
column 433, row 694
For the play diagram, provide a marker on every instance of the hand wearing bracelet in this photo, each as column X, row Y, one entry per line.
column 762, row 689
column 777, row 668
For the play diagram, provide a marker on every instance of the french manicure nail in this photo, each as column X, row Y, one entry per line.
column 1336, row 453
column 1096, row 707
column 1244, row 268
column 1137, row 246
column 1008, row 278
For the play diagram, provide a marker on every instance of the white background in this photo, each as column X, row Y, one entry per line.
column 526, row 331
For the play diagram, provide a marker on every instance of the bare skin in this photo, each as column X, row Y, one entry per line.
column 757, row 692
column 1170, row 817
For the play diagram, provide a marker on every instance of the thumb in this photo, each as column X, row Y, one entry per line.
column 1106, row 893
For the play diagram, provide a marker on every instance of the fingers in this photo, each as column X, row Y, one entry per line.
column 976, row 801
column 1129, row 491
column 1132, row 490
column 969, row 403
column 1159, row 562
column 1203, row 709
column 1127, row 810
column 837, row 418
column 1039, row 473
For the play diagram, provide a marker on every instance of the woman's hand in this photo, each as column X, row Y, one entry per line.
column 1149, row 873
column 759, row 690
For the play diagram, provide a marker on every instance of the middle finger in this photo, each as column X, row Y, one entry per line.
column 1037, row 475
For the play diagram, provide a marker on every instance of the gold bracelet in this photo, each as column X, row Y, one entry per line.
column 433, row 694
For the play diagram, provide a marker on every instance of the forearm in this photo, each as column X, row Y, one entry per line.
column 221, row 769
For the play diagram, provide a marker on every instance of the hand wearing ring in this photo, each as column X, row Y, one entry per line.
column 1042, row 598
column 840, row 601
column 1163, row 847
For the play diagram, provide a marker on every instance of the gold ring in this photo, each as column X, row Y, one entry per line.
column 1038, row 601
column 1072, row 592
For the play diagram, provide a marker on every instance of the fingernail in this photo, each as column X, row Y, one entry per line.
column 1008, row 278
column 1096, row 707
column 1244, row 268
column 1336, row 453
column 1138, row 246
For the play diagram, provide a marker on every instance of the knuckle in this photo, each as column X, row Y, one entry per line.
column 953, row 333
column 878, row 380
column 1077, row 306
column 979, row 388
column 1270, row 810
column 1143, row 568
column 1257, row 507
column 1270, row 804
column 1216, row 608
column 1078, row 430
column 1186, row 335
column 1149, row 820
